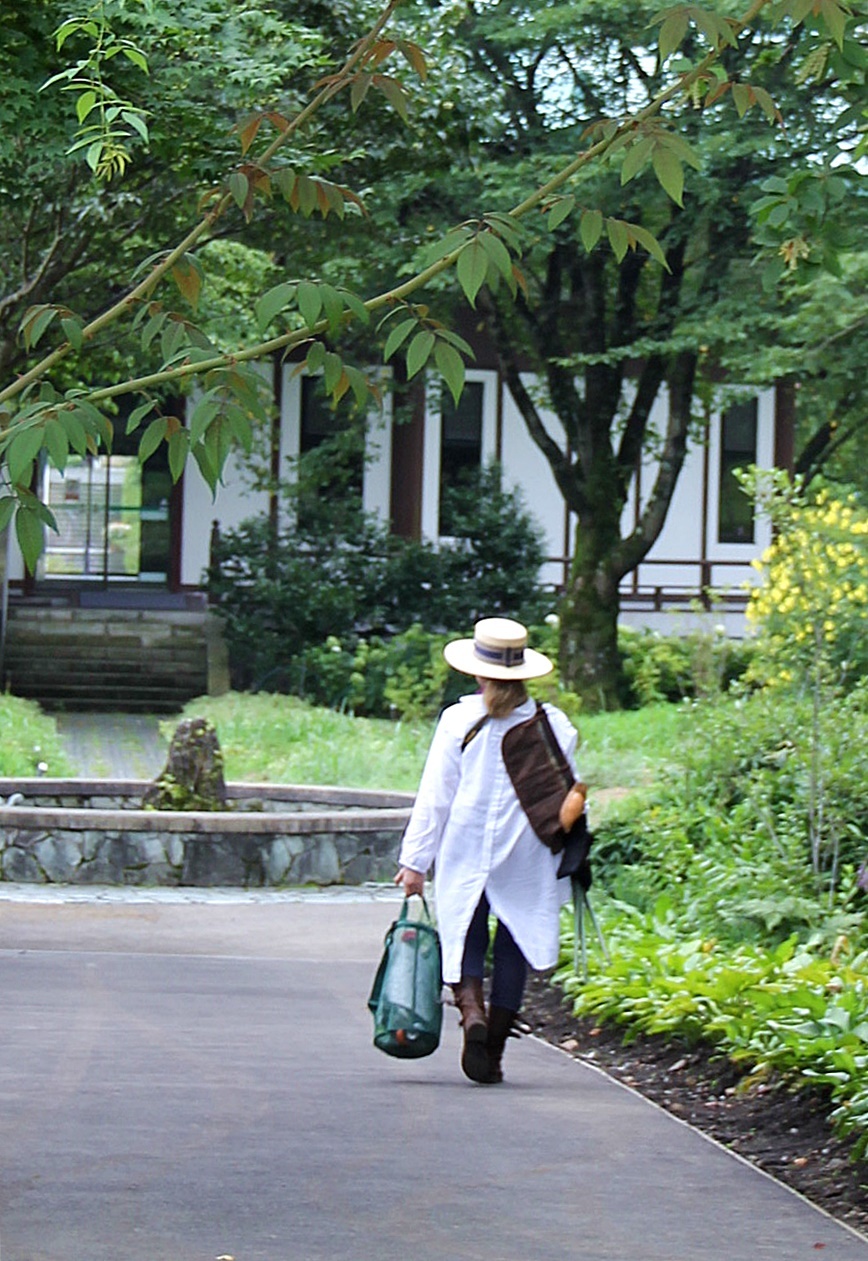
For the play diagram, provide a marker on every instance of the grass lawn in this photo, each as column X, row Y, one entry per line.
column 280, row 739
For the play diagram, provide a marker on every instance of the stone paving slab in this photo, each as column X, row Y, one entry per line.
column 113, row 745
column 191, row 1080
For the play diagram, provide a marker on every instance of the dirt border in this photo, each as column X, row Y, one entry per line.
column 783, row 1132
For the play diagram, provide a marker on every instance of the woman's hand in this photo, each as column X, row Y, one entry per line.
column 413, row 881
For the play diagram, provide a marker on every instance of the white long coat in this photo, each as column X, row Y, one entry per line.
column 467, row 820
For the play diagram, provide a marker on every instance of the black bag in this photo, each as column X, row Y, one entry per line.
column 405, row 997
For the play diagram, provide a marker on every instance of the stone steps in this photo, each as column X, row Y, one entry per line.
column 134, row 660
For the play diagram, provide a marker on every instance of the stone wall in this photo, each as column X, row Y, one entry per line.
column 92, row 832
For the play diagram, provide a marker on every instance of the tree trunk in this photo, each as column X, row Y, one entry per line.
column 588, row 651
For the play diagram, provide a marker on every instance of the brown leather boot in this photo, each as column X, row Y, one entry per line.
column 500, row 1027
column 471, row 1005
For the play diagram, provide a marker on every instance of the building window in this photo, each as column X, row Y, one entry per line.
column 331, row 456
column 738, row 449
column 460, row 448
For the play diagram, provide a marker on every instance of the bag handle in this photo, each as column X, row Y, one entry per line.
column 403, row 917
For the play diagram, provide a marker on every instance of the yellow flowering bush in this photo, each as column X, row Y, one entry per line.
column 811, row 611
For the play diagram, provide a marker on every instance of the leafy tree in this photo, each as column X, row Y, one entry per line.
column 592, row 298
column 582, row 313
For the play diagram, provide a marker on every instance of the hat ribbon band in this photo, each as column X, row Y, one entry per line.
column 499, row 656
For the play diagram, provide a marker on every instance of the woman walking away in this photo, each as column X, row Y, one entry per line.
column 468, row 823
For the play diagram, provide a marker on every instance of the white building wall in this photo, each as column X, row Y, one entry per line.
column 233, row 503
column 525, row 465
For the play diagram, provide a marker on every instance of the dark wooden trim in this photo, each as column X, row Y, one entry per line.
column 785, row 424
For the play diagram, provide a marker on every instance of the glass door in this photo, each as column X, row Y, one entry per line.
column 113, row 518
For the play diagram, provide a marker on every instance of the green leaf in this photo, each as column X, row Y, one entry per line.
column 173, row 340
column 419, row 351
column 560, row 210
column 271, row 303
column 239, row 424
column 453, row 240
column 618, row 238
column 179, row 447
column 137, row 123
column 56, row 444
column 306, row 190
column 451, row 367
column 359, row 90
column 835, row 18
column 187, row 275
column 591, row 228
column 138, row 414
column 743, row 98
column 21, row 453
column 239, row 187
column 137, row 57
column 650, row 243
column 203, row 413
column 358, row 384
column 30, row 533
column 636, row 157
column 7, row 511
column 36, row 320
column 309, row 302
column 394, row 94
column 670, row 173
column 333, row 306
column 206, row 466
column 85, row 103
column 152, row 328
column 315, row 358
column 72, row 329
column 672, row 32
column 397, row 337
column 152, row 437
column 356, row 305
column 75, row 431
column 472, row 268
column 766, row 104
column 497, row 252
column 332, row 371
column 772, row 272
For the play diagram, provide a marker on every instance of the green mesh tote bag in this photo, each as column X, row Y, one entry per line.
column 405, row 997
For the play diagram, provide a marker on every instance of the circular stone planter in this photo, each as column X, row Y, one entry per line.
column 93, row 831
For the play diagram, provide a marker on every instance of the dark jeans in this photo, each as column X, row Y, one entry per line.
column 510, row 966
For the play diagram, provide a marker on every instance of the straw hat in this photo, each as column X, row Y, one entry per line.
column 498, row 650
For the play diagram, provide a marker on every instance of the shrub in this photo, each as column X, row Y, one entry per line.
column 342, row 577
column 812, row 608
column 678, row 667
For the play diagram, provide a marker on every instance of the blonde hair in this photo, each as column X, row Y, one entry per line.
column 502, row 696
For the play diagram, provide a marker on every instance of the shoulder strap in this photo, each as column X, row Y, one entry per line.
column 473, row 732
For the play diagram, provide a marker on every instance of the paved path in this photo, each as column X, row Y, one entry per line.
column 190, row 1076
column 113, row 746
